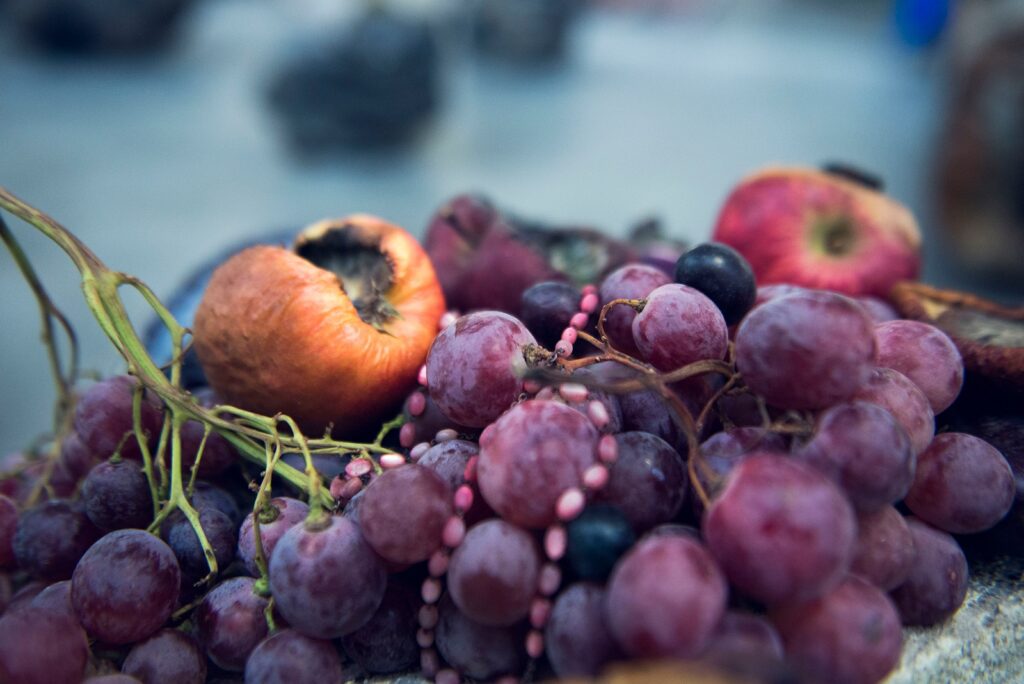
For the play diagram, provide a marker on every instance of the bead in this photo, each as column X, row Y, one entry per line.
column 447, row 318
column 569, row 335
column 358, row 467
column 531, row 386
column 421, row 377
column 573, row 391
column 563, row 348
column 579, row 320
column 416, row 453
column 555, row 541
column 608, row 449
column 406, row 435
column 389, row 461
column 429, row 663
column 417, row 404
column 454, row 532
column 549, row 579
column 590, row 288
column 598, row 414
column 469, row 474
column 463, row 498
column 431, row 590
column 589, row 303
column 428, row 617
column 447, row 676
column 540, row 611
column 437, row 565
column 446, row 435
column 595, row 477
column 425, row 638
column 534, row 644
column 569, row 505
column 348, row 489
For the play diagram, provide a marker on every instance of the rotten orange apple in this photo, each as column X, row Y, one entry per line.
column 329, row 332
column 820, row 230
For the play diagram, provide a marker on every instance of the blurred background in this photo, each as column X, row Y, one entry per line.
column 164, row 132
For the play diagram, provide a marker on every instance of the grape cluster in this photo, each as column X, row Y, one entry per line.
column 659, row 465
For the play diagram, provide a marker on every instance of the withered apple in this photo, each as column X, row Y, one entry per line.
column 332, row 331
column 820, row 230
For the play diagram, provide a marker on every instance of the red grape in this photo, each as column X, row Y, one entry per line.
column 894, row 392
column 231, row 622
column 55, row 598
column 170, row 656
column 387, row 643
column 632, row 281
column 288, row 657
column 403, row 513
column 678, row 326
column 744, row 636
column 477, row 650
column 116, row 495
column 285, row 512
column 41, row 647
column 647, row 482
column 51, row 538
column 924, row 354
column 884, row 552
column 937, row 583
column 221, row 534
column 103, row 417
column 578, row 640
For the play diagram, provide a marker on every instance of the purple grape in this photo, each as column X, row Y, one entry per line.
column 288, row 656
column 884, row 552
column 745, row 637
column 41, row 647
column 26, row 594
column 547, row 308
column 721, row 273
column 51, row 538
column 774, row 507
column 387, row 643
column 665, row 598
column 279, row 516
column 207, row 495
column 449, row 459
column 103, row 417
column 962, row 485
column 116, row 495
column 647, row 412
column 326, row 581
column 678, row 326
column 530, row 456
column 179, row 534
column 862, row 448
column 894, row 392
column 850, row 635
column 647, row 482
column 404, row 511
column 878, row 310
column 8, row 528
column 577, row 638
column 806, row 350
column 170, row 655
column 476, row 650
column 492, row 575
column 76, row 456
column 55, row 598
column 937, row 583
column 720, row 453
column 609, row 402
column 231, row 622
column 125, row 586
column 218, row 454
column 112, row 679
column 926, row 356
column 767, row 293
column 474, row 366
column 597, row 538
column 632, row 281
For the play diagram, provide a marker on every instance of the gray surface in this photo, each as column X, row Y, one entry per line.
column 159, row 163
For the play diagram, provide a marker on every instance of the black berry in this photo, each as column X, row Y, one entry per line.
column 721, row 273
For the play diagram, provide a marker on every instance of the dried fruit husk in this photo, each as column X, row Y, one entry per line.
column 990, row 337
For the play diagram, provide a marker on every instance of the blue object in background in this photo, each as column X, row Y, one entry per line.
column 921, row 22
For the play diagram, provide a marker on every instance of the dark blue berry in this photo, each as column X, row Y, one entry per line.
column 721, row 273
column 547, row 308
column 597, row 538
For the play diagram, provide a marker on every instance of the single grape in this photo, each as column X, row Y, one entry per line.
column 530, row 456
column 597, row 538
column 288, row 656
column 449, row 459
column 937, row 583
column 632, row 281
column 103, row 417
column 41, row 647
column 277, row 518
column 221, row 534
column 387, row 643
column 51, row 538
column 8, row 528
column 894, row 392
column 665, row 598
column 962, row 485
column 577, row 639
column 55, row 598
column 326, row 581
column 547, row 308
column 767, row 293
column 404, row 511
column 646, row 411
column 125, row 587
column 926, row 356
column 116, row 495
column 720, row 453
column 806, row 350
column 170, row 656
column 850, row 635
column 678, row 326
column 493, row 573
column 775, row 507
column 647, row 482
column 884, row 552
column 745, row 637
column 862, row 448
column 231, row 621
column 723, row 275
column 476, row 650
column 76, row 456
column 475, row 364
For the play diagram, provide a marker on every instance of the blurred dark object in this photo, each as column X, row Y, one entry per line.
column 96, row 26
column 375, row 84
column 654, row 247
column 530, row 31
column 183, row 302
column 980, row 175
column 920, row 22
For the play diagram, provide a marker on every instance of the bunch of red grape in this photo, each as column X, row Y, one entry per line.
column 685, row 467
